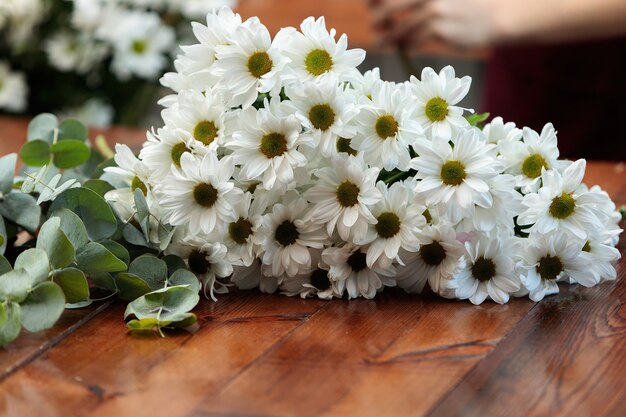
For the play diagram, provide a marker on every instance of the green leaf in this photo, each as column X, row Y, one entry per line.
column 73, row 283
column 53, row 240
column 11, row 329
column 95, row 258
column 73, row 227
column 185, row 277
column 42, row 127
column 134, row 236
column 72, row 129
column 91, row 208
column 166, row 304
column 99, row 186
column 14, row 285
column 130, row 286
column 5, row 266
column 35, row 153
column 103, row 280
column 7, row 172
column 43, row 307
column 3, row 313
column 145, row 324
column 3, row 238
column 99, row 170
column 70, row 153
column 174, row 263
column 35, row 263
column 22, row 209
column 151, row 269
column 184, row 320
column 476, row 118
column 116, row 249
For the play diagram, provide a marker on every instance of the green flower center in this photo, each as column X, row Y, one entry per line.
column 432, row 254
column 205, row 132
column 240, row 230
column 587, row 247
column 357, row 261
column 436, row 109
column 347, row 194
column 453, row 173
column 322, row 116
column 139, row 46
column 177, row 152
column 273, row 145
column 343, row 145
column 319, row 279
column 198, row 262
column 138, row 184
column 484, row 269
column 386, row 126
column 562, row 206
column 549, row 267
column 388, row 225
column 286, row 233
column 427, row 216
column 260, row 64
column 531, row 167
column 318, row 61
column 205, row 195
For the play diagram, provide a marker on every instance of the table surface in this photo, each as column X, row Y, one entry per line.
column 270, row 355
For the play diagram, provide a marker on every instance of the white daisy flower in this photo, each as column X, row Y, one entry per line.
column 200, row 194
column 435, row 262
column 252, row 276
column 437, row 96
column 315, row 283
column 290, row 236
column 601, row 258
column 130, row 170
column 608, row 214
column 248, row 65
column 362, row 88
column 315, row 53
column 387, row 127
column 548, row 258
column 13, row 89
column 244, row 237
column 497, row 131
column 397, row 220
column 456, row 176
column 68, row 52
column 193, row 9
column 342, row 197
column 486, row 270
column 349, row 271
column 562, row 203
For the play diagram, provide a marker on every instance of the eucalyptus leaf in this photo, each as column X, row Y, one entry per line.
column 42, row 127
column 185, row 277
column 184, row 320
column 43, row 307
column 14, row 285
column 73, row 227
column 73, row 283
column 145, row 324
column 95, row 258
column 35, row 263
column 80, row 304
column 72, row 129
column 103, row 280
column 12, row 325
column 165, row 304
column 476, row 118
column 99, row 186
column 35, row 153
column 22, row 209
column 3, row 238
column 3, row 313
column 7, row 172
column 151, row 269
column 55, row 243
column 166, row 233
column 174, row 263
column 130, row 286
column 135, row 236
column 5, row 266
column 70, row 153
column 99, row 170
column 116, row 249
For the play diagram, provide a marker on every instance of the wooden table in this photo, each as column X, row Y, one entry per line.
column 398, row 355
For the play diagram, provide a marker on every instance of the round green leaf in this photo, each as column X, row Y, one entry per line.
column 3, row 238
column 22, row 209
column 5, row 266
column 70, row 153
column 73, row 283
column 185, row 277
column 3, row 313
column 151, row 269
column 73, row 227
column 11, row 328
column 144, row 325
column 7, row 172
column 95, row 258
column 130, row 286
column 42, row 127
column 116, row 249
column 72, row 129
column 103, row 280
column 35, row 263
column 14, row 285
column 43, row 307
column 165, row 304
column 99, row 186
column 35, row 153
column 51, row 239
column 174, row 263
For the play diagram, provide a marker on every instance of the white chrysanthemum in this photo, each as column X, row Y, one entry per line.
column 608, row 214
column 362, row 88
column 325, row 110
column 498, row 132
column 290, row 235
column 315, row 283
column 67, row 52
column 200, row 194
column 95, row 112
column 437, row 96
column 248, row 65
column 266, row 146
column 22, row 16
column 315, row 53
column 486, row 270
column 435, row 262
column 250, row 277
column 193, row 9
column 397, row 221
column 387, row 127
column 526, row 159
column 562, row 203
column 342, row 197
column 243, row 237
column 546, row 259
column 456, row 176
column 130, row 171
column 199, row 114
column 13, row 89
column 349, row 271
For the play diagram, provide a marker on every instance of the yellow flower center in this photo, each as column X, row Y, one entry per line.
column 347, row 194
column 388, row 225
column 138, row 184
column 386, row 126
column 260, row 64
column 436, row 109
column 318, row 61
column 531, row 167
column 562, row 206
column 139, row 46
column 205, row 132
column 549, row 267
column 240, row 230
column 273, row 145
column 322, row 116
column 205, row 195
column 177, row 152
column 453, row 173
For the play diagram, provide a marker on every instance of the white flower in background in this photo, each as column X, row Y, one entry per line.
column 200, row 194
column 548, row 258
column 13, row 89
column 163, row 150
column 325, row 111
column 458, row 176
column 526, row 159
column 266, row 146
column 95, row 112
column 290, row 238
column 486, row 270
column 349, row 271
column 248, row 65
column 87, row 15
column 244, row 236
column 315, row 283
column 314, row 52
column 498, row 132
column 388, row 127
column 67, row 52
column 342, row 197
column 601, row 258
column 22, row 17
column 194, row 9
column 562, row 204
column 437, row 96
column 397, row 221
column 435, row 262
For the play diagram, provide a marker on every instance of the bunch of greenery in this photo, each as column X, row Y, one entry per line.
column 60, row 241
